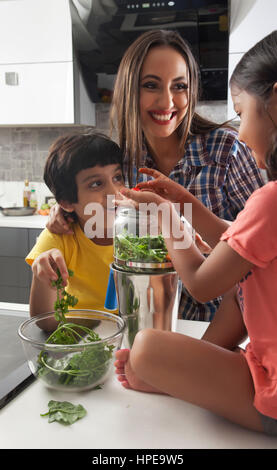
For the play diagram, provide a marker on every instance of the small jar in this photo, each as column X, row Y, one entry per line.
column 33, row 199
column 138, row 244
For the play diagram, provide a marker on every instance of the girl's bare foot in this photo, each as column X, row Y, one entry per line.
column 127, row 376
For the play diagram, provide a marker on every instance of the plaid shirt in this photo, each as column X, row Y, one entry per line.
column 221, row 172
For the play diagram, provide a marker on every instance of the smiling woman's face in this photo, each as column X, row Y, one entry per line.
column 163, row 92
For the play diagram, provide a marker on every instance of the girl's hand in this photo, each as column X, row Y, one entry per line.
column 45, row 267
column 202, row 245
column 128, row 197
column 57, row 223
column 164, row 186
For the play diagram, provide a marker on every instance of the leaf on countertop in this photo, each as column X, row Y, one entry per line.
column 64, row 412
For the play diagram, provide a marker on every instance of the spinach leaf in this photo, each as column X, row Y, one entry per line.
column 142, row 249
column 64, row 412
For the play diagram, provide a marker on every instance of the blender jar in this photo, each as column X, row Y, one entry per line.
column 138, row 245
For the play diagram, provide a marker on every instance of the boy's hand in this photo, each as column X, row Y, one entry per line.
column 57, row 223
column 45, row 267
column 164, row 186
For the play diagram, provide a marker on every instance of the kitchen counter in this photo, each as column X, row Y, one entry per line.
column 122, row 419
column 28, row 221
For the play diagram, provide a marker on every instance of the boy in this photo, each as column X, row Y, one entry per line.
column 81, row 169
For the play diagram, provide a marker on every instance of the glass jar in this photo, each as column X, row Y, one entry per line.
column 138, row 244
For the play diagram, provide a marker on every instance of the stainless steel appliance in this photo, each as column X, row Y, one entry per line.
column 146, row 301
column 142, row 275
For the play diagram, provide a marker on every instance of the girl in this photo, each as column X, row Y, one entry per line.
column 153, row 111
column 210, row 372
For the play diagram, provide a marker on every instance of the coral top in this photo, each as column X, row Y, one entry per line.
column 254, row 236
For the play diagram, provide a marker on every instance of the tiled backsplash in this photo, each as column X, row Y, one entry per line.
column 23, row 150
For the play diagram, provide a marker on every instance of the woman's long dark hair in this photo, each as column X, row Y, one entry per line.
column 256, row 73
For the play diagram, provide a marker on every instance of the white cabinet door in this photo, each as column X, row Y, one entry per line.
column 251, row 20
column 35, row 31
column 42, row 94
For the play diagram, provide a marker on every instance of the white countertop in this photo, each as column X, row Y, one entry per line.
column 28, row 221
column 122, row 419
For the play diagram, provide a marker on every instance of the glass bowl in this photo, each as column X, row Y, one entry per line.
column 81, row 365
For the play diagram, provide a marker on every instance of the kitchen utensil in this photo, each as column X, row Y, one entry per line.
column 78, row 366
column 145, row 280
column 17, row 211
column 138, row 244
column 146, row 300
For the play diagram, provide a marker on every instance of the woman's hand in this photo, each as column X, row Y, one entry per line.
column 57, row 223
column 45, row 267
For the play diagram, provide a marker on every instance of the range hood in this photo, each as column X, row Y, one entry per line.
column 103, row 30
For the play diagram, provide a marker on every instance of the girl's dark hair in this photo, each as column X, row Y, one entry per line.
column 125, row 105
column 256, row 73
column 70, row 154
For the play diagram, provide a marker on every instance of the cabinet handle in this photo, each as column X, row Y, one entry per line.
column 11, row 78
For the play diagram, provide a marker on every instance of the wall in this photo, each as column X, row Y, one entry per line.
column 23, row 150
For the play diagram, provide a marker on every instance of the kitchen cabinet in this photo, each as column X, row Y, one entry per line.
column 40, row 80
column 33, row 101
column 23, row 21
column 15, row 274
column 250, row 21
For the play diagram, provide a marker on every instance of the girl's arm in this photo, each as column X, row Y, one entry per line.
column 207, row 224
column 227, row 328
column 204, row 278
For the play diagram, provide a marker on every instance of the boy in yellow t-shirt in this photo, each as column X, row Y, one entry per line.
column 84, row 172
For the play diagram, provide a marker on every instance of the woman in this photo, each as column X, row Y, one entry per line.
column 153, row 109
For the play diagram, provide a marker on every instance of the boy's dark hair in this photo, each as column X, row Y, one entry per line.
column 70, row 154
column 256, row 73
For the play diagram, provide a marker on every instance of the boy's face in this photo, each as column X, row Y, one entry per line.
column 93, row 186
